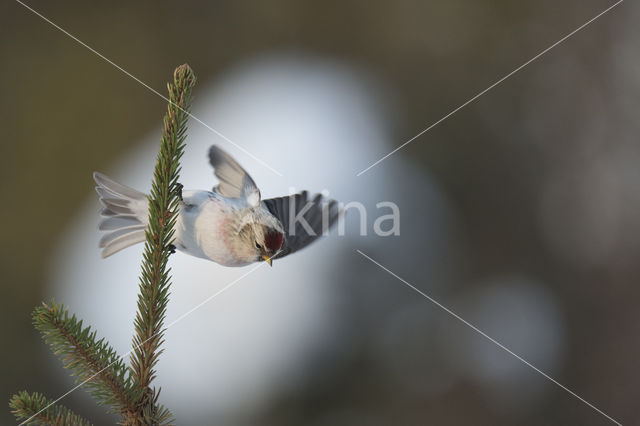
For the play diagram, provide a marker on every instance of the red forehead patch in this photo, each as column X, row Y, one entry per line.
column 273, row 241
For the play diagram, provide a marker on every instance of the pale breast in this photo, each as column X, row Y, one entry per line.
column 204, row 226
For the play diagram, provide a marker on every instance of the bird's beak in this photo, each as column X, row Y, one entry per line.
column 267, row 259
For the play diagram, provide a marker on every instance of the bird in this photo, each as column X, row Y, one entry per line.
column 230, row 225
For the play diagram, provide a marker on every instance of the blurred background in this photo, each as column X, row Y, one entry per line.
column 520, row 212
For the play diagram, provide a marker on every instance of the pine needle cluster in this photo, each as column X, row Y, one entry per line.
column 126, row 390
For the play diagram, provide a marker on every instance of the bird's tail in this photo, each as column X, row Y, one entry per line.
column 125, row 213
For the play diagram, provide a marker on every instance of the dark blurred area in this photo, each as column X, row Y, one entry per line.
column 541, row 175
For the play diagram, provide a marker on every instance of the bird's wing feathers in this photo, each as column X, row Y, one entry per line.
column 297, row 235
column 235, row 182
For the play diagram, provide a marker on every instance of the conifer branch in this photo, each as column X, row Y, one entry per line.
column 94, row 362
column 24, row 406
column 154, row 285
column 91, row 360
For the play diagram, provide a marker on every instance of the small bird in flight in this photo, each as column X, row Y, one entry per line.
column 229, row 225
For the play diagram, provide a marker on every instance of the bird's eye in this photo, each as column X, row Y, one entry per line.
column 258, row 246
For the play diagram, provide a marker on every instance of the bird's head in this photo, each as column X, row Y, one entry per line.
column 261, row 235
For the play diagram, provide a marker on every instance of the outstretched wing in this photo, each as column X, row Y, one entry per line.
column 302, row 219
column 235, row 182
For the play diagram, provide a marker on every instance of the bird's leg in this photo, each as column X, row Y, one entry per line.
column 180, row 188
column 183, row 204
